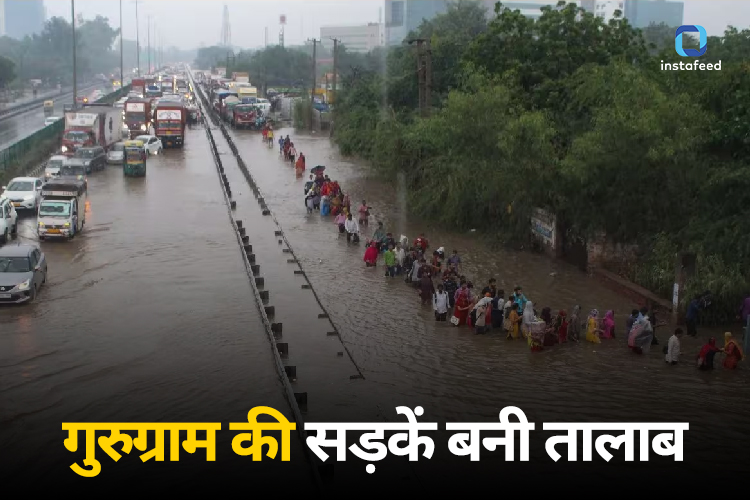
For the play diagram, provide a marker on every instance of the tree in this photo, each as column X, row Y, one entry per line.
column 7, row 71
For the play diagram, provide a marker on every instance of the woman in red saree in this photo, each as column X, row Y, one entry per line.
column 706, row 356
column 462, row 304
column 371, row 255
column 561, row 325
column 733, row 352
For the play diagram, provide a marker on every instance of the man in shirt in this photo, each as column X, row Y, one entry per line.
column 673, row 348
column 400, row 258
column 440, row 301
column 455, row 261
column 390, row 262
column 352, row 229
column 691, row 317
column 491, row 288
column 519, row 298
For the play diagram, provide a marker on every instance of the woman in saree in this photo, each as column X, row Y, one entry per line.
column 592, row 327
column 335, row 205
column 574, row 324
column 706, row 355
column 371, row 255
column 733, row 352
column 528, row 319
column 550, row 332
column 560, row 326
column 426, row 287
column 461, row 309
column 339, row 221
column 608, row 325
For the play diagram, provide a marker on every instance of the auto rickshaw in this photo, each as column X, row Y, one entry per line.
column 134, row 161
column 49, row 107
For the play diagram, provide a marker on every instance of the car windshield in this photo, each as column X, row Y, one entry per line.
column 21, row 186
column 118, row 147
column 143, row 138
column 135, row 116
column 77, row 135
column 85, row 153
column 54, row 208
column 15, row 265
column 72, row 170
column 243, row 109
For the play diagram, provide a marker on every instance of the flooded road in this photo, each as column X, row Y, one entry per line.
column 147, row 316
column 409, row 359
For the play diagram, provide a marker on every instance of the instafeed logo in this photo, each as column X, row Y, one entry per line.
column 703, row 42
column 691, row 29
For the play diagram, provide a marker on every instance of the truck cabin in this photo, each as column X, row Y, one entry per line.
column 76, row 138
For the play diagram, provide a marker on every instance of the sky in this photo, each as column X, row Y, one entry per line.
column 191, row 23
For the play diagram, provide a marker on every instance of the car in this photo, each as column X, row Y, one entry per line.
column 23, row 271
column 151, row 144
column 74, row 171
column 93, row 158
column 116, row 153
column 8, row 220
column 24, row 192
column 50, row 120
column 53, row 166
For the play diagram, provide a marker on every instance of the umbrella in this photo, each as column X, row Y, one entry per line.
column 318, row 169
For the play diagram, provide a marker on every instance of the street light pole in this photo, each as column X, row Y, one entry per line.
column 75, row 82
column 122, row 84
column 137, row 39
column 148, row 31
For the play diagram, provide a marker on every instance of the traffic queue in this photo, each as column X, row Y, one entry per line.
column 127, row 133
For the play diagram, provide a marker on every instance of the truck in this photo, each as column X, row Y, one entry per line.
column 62, row 211
column 94, row 126
column 228, row 107
column 138, row 85
column 244, row 92
column 169, row 123
column 247, row 116
column 241, row 77
column 137, row 116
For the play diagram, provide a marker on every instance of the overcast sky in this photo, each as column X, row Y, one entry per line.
column 190, row 23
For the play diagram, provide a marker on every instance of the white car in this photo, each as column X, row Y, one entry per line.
column 116, row 153
column 54, row 164
column 50, row 120
column 151, row 144
column 24, row 192
column 8, row 220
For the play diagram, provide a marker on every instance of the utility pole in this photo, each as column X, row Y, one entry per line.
column 122, row 84
column 335, row 66
column 314, row 81
column 424, row 72
column 148, row 37
column 137, row 39
column 73, row 23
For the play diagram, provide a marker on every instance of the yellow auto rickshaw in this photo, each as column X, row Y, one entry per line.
column 134, row 159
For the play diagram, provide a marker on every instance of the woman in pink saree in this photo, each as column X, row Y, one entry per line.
column 608, row 325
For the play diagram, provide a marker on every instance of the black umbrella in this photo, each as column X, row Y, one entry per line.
column 317, row 169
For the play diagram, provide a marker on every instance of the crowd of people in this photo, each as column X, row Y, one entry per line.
column 456, row 300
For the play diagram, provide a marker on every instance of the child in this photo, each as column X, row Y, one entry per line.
column 515, row 322
column 673, row 348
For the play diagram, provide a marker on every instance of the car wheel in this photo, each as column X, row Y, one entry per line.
column 44, row 280
column 5, row 235
column 14, row 231
column 32, row 296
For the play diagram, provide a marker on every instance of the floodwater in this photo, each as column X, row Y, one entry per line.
column 146, row 317
column 407, row 358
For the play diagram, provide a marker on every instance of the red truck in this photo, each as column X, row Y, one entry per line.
column 169, row 123
column 244, row 116
column 138, row 85
column 138, row 116
column 91, row 126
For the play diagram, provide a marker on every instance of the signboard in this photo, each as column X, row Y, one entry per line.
column 169, row 114
column 543, row 226
column 222, row 72
column 81, row 119
column 676, row 296
column 135, row 107
column 59, row 193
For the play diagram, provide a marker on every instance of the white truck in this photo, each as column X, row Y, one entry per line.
column 91, row 126
column 62, row 211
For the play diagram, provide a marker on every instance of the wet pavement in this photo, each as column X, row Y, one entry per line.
column 21, row 126
column 409, row 359
column 146, row 318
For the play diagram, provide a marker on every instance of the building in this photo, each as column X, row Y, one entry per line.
column 20, row 18
column 404, row 16
column 640, row 13
column 530, row 8
column 361, row 38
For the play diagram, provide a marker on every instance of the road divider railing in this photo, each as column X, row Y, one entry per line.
column 28, row 156
column 25, row 107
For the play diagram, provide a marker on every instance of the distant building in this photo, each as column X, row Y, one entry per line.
column 639, row 13
column 361, row 38
column 529, row 8
column 20, row 18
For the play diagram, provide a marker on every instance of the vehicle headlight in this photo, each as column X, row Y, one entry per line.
column 28, row 197
column 41, row 224
column 67, row 224
column 64, row 149
column 24, row 285
column 143, row 127
column 86, row 163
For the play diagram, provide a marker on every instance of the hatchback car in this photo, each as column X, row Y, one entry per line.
column 151, row 144
column 23, row 271
column 8, row 220
column 24, row 192
column 53, row 166
column 93, row 158
column 116, row 153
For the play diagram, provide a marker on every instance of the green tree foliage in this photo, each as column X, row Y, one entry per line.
column 7, row 71
column 575, row 115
